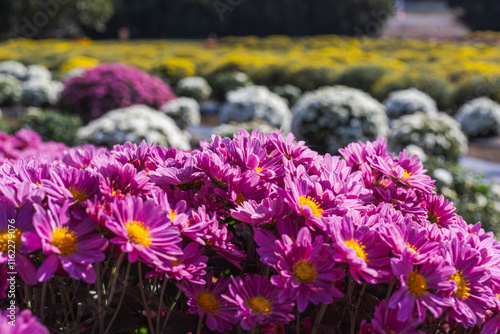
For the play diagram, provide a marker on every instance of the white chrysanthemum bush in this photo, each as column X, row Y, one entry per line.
column 38, row 93
column 228, row 130
column 480, row 118
column 194, row 87
column 409, row 101
column 256, row 102
column 332, row 117
column 10, row 90
column 134, row 124
column 14, row 68
column 184, row 111
column 437, row 134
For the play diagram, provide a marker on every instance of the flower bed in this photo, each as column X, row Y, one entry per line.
column 257, row 233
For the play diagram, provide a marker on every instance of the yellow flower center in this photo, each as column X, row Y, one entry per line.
column 78, row 195
column 207, row 302
column 219, row 184
column 172, row 214
column 412, row 248
column 117, row 193
column 240, row 199
column 312, row 204
column 258, row 169
column 4, row 240
column 406, row 175
column 417, row 283
column 259, row 305
column 463, row 289
column 358, row 247
column 64, row 240
column 379, row 183
column 433, row 218
column 304, row 272
column 138, row 234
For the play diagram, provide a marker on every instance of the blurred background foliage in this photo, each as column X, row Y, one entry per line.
column 479, row 14
column 54, row 18
column 190, row 18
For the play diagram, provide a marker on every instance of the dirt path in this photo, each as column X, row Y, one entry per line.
column 443, row 24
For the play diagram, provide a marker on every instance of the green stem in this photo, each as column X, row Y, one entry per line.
column 200, row 325
column 100, row 314
column 146, row 306
column 115, row 278
column 389, row 290
column 356, row 309
column 122, row 296
column 160, row 302
column 42, row 302
column 319, row 317
column 28, row 295
column 170, row 310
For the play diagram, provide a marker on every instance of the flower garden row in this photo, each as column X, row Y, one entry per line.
column 91, row 93
column 451, row 72
column 257, row 232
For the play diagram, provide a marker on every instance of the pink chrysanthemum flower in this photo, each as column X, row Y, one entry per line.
column 21, row 193
column 472, row 295
column 20, row 222
column 218, row 171
column 3, row 280
column 81, row 157
column 356, row 154
column 74, row 185
column 256, row 302
column 117, row 180
column 25, row 323
column 190, row 266
column 298, row 154
column 306, row 270
column 249, row 186
column 423, row 287
column 304, row 196
column 247, row 151
column 139, row 156
column 439, row 210
column 406, row 171
column 360, row 248
column 187, row 177
column 218, row 239
column 65, row 240
column 385, row 321
column 143, row 231
column 206, row 301
column 268, row 211
column 408, row 236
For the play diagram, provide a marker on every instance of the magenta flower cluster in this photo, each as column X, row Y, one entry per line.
column 112, row 86
column 26, row 143
column 257, row 229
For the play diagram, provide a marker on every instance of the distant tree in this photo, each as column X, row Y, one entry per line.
column 479, row 14
column 57, row 18
column 198, row 18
